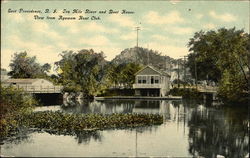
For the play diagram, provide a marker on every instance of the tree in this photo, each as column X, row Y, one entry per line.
column 123, row 74
column 81, row 71
column 206, row 68
column 128, row 74
column 222, row 56
column 23, row 66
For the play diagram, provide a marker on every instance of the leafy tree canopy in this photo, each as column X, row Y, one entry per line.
column 123, row 74
column 81, row 71
column 23, row 66
column 222, row 56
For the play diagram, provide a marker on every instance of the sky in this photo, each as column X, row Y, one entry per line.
column 165, row 26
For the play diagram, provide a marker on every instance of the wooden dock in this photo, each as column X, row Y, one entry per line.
column 139, row 98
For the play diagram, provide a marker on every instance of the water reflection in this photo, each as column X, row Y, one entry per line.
column 190, row 129
column 213, row 132
column 20, row 137
column 85, row 138
column 121, row 106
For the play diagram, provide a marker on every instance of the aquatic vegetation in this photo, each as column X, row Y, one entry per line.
column 75, row 123
column 14, row 103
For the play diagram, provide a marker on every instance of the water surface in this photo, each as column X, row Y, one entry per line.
column 189, row 129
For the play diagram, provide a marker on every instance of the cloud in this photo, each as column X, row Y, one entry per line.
column 110, row 52
column 181, row 30
column 95, row 41
column 130, row 36
column 209, row 26
column 21, row 18
column 94, row 27
column 163, row 39
column 72, row 26
column 17, row 17
column 227, row 17
column 170, row 50
column 199, row 16
column 43, row 27
column 40, row 26
column 159, row 37
column 172, row 17
column 44, row 53
column 122, row 20
column 78, row 26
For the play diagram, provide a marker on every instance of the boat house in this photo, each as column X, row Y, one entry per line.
column 152, row 82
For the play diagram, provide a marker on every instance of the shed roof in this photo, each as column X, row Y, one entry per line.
column 22, row 81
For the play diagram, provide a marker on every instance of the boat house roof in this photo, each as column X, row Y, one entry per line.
column 151, row 70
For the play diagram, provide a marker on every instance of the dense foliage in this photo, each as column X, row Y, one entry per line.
column 88, row 72
column 81, row 71
column 23, row 66
column 122, row 74
column 14, row 103
column 222, row 56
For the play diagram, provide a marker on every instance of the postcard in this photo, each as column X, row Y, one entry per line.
column 124, row 78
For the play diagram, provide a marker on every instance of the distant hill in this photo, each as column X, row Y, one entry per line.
column 141, row 55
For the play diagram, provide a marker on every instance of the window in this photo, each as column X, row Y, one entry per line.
column 156, row 79
column 144, row 79
column 139, row 79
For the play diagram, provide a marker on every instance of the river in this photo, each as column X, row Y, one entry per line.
column 189, row 129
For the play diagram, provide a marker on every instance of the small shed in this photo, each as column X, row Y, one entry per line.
column 22, row 83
